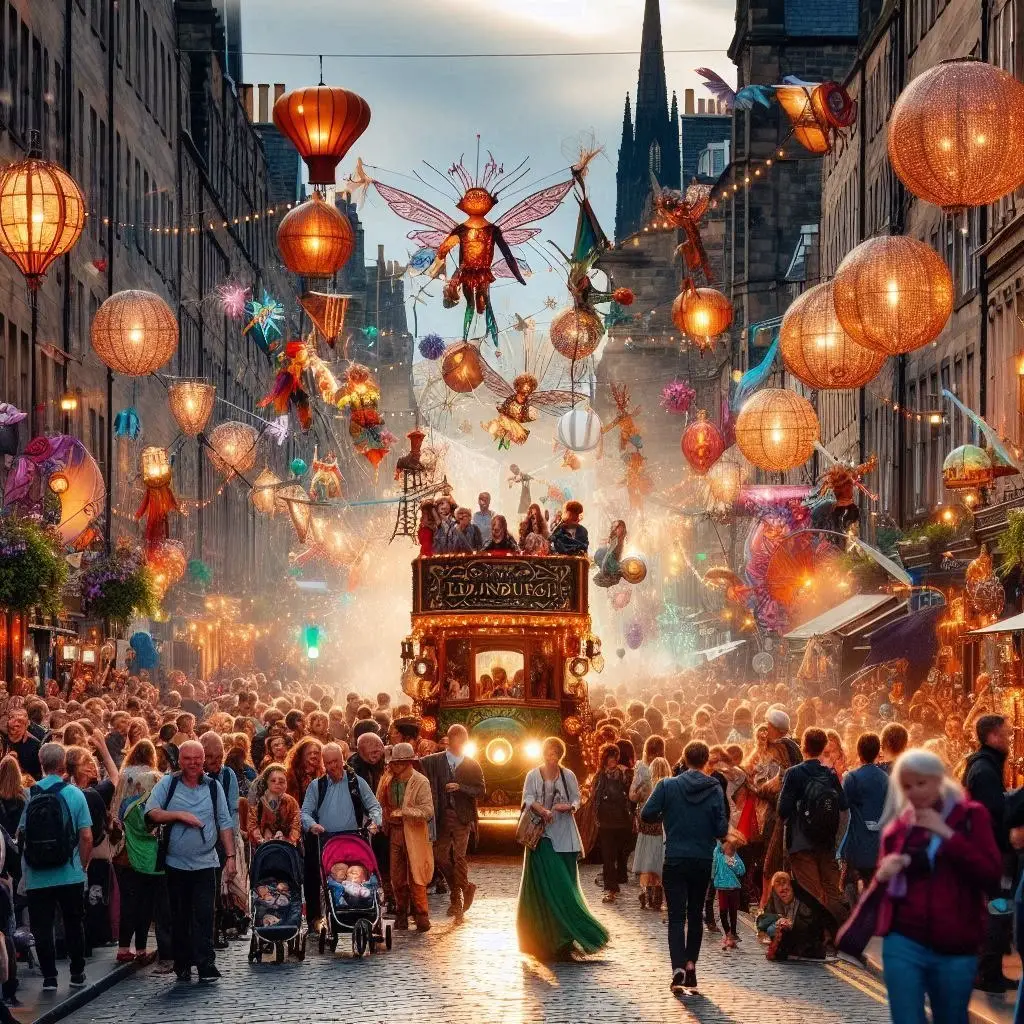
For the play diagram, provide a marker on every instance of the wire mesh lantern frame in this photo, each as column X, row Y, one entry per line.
column 232, row 447
column 191, row 403
column 134, row 332
column 776, row 430
column 315, row 239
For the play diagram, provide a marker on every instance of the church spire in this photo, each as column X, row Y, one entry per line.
column 651, row 90
column 627, row 126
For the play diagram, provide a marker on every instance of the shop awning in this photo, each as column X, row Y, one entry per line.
column 713, row 653
column 1014, row 624
column 843, row 615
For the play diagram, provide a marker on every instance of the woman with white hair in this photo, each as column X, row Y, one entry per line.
column 938, row 862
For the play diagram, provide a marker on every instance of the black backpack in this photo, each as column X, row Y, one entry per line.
column 50, row 838
column 353, row 791
column 819, row 811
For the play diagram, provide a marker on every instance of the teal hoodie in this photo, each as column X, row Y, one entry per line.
column 692, row 809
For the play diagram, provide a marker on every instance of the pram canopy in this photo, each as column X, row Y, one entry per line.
column 350, row 848
column 276, row 859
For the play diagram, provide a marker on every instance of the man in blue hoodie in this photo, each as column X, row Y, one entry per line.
column 692, row 808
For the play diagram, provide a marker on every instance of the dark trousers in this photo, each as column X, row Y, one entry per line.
column 709, row 907
column 138, row 898
column 42, row 905
column 450, row 850
column 311, row 878
column 728, row 909
column 686, row 882
column 193, row 897
column 614, row 853
column 998, row 931
column 162, row 920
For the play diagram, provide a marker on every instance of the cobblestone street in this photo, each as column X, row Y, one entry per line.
column 475, row 973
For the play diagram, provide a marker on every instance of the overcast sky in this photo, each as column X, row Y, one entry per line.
column 430, row 108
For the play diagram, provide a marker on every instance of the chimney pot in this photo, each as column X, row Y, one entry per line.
column 278, row 91
column 245, row 95
column 264, row 91
column 688, row 101
column 700, row 106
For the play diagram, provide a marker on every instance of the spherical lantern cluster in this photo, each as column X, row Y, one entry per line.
column 315, row 239
column 818, row 351
column 134, row 333
column 580, row 429
column 461, row 368
column 264, row 492
column 893, row 294
column 321, row 122
column 576, row 333
column 967, row 466
column 233, row 447
column 702, row 444
column 702, row 314
column 954, row 134
column 776, row 430
column 42, row 212
column 191, row 403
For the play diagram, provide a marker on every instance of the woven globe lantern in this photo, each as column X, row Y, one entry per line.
column 461, row 368
column 816, row 349
column 702, row 444
column 134, row 333
column 725, row 479
column 576, row 333
column 893, row 294
column 580, row 429
column 321, row 122
column 191, row 404
column 42, row 212
column 264, row 492
column 954, row 134
column 702, row 314
column 776, row 430
column 232, row 447
column 169, row 561
column 966, row 467
column 315, row 239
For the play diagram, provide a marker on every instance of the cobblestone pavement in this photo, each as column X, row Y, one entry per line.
column 475, row 973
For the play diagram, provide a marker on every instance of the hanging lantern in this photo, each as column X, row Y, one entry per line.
column 817, row 113
column 702, row 444
column 321, row 122
column 725, row 479
column 816, row 349
column 702, row 314
column 954, row 134
column 168, row 559
column 893, row 294
column 232, row 447
column 191, row 403
column 315, row 239
column 967, row 466
column 461, row 368
column 134, row 333
column 158, row 502
column 264, row 492
column 580, row 429
column 633, row 569
column 42, row 212
column 776, row 430
column 576, row 332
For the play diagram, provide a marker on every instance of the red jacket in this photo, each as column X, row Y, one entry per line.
column 945, row 907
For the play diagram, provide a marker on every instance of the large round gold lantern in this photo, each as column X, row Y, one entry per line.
column 816, row 349
column 315, row 239
column 702, row 314
column 776, row 430
column 966, row 467
column 461, row 368
column 954, row 134
column 168, row 559
column 191, row 403
column 42, row 212
column 893, row 294
column 576, row 333
column 232, row 447
column 134, row 332
column 264, row 492
column 322, row 122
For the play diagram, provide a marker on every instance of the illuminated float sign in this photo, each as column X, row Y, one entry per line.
column 460, row 584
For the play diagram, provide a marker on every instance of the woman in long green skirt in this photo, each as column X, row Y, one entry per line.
column 552, row 916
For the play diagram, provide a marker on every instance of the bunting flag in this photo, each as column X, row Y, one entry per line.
column 755, row 376
column 327, row 313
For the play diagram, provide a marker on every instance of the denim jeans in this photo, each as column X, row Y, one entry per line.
column 913, row 971
column 686, row 882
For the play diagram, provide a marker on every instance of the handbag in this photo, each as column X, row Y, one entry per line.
column 860, row 927
column 530, row 829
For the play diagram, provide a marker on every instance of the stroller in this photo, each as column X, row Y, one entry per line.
column 353, row 902
column 275, row 899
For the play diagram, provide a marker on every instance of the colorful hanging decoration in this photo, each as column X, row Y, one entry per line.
column 326, row 481
column 580, row 429
column 833, row 502
column 327, row 312
column 476, row 237
column 232, row 447
column 776, row 430
column 967, row 466
column 431, row 346
column 683, row 211
column 158, row 501
column 233, row 298
column 677, row 397
column 191, row 404
column 264, row 492
column 293, row 361
column 985, row 593
column 701, row 314
column 359, row 396
column 462, row 367
column 265, row 316
column 315, row 238
column 702, row 444
column 625, row 419
column 167, row 562
column 128, row 424
column 200, row 575
column 134, row 332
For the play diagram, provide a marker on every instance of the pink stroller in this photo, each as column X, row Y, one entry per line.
column 355, row 907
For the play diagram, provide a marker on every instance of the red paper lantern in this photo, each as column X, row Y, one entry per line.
column 702, row 444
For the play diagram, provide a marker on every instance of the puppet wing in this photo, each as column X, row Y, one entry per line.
column 534, row 207
column 411, row 208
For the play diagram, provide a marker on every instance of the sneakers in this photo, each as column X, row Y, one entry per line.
column 49, row 984
column 209, row 974
column 78, row 980
column 609, row 897
column 467, row 896
column 678, row 980
column 690, row 978
column 164, row 967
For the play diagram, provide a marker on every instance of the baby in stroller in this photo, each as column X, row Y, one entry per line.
column 271, row 903
column 351, row 886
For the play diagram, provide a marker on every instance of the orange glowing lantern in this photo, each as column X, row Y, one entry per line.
column 134, row 332
column 461, row 368
column 576, row 332
column 191, row 403
column 817, row 113
column 315, row 239
column 702, row 444
column 702, row 314
column 232, row 447
column 777, row 430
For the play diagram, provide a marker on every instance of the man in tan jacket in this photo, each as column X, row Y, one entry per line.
column 405, row 799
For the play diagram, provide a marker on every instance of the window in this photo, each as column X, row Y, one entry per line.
column 500, row 675
column 654, row 158
column 146, row 69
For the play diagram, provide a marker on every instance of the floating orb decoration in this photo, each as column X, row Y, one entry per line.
column 893, row 294
column 191, row 404
column 298, row 467
column 633, row 568
column 134, row 332
column 966, row 467
column 576, row 332
column 315, row 239
column 264, row 492
column 580, row 429
column 702, row 444
column 725, row 479
column 987, row 596
column 58, row 483
column 42, row 212
column 169, row 560
column 818, row 351
column 621, row 598
column 635, row 635
column 431, row 346
column 954, row 134
column 322, row 123
column 461, row 368
column 702, row 314
column 776, row 430
column 233, row 447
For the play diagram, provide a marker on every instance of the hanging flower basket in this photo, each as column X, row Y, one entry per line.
column 33, row 571
column 118, row 587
